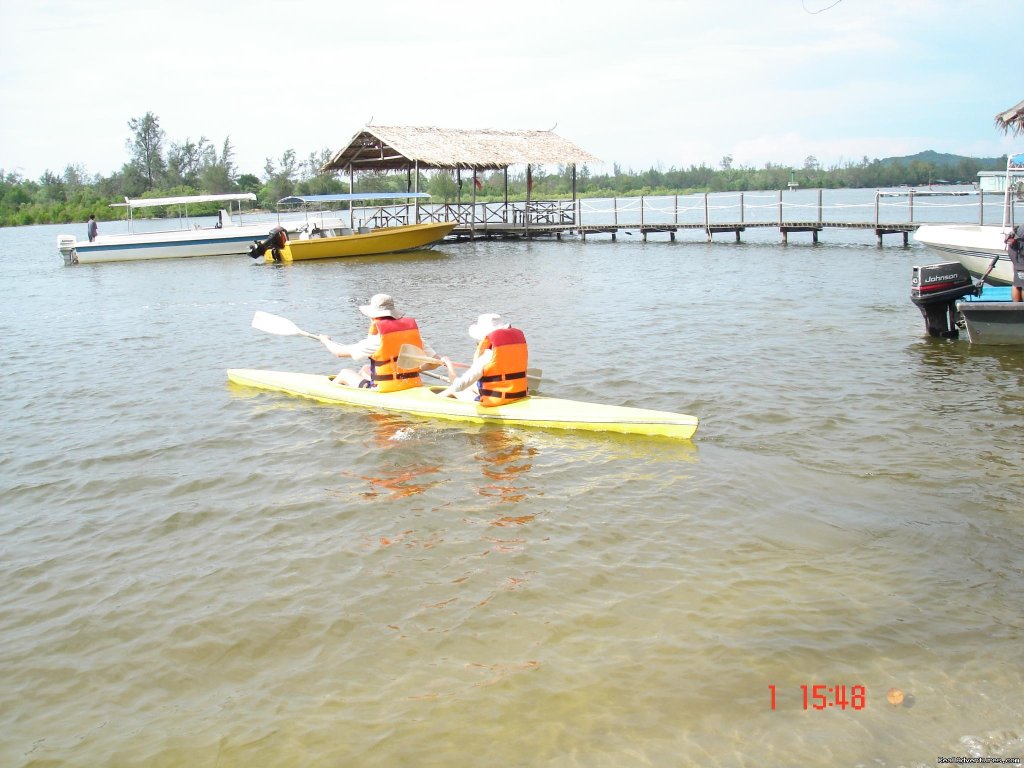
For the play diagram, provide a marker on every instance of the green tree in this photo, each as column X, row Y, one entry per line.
column 146, row 147
column 249, row 183
column 227, row 159
column 280, row 178
column 187, row 160
column 442, row 187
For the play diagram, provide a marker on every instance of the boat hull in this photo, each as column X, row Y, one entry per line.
column 535, row 411
column 972, row 245
column 410, row 237
column 163, row 245
column 993, row 322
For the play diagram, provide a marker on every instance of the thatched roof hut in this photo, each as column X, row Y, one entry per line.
column 1012, row 120
column 384, row 148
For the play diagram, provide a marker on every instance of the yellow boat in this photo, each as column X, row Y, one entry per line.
column 411, row 237
column 533, row 411
column 335, row 242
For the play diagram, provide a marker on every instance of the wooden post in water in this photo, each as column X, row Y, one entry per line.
column 742, row 215
column 707, row 219
column 351, row 189
column 574, row 220
column 615, row 213
column 675, row 209
column 472, row 221
column 819, row 206
column 911, row 197
column 643, row 232
column 416, row 188
column 529, row 194
column 785, row 234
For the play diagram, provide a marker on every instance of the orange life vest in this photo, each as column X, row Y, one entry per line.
column 384, row 370
column 504, row 378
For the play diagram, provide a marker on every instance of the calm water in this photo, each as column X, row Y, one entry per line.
column 198, row 574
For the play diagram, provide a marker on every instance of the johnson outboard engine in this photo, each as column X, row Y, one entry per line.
column 274, row 243
column 935, row 289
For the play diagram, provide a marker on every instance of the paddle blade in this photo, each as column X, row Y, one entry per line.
column 410, row 356
column 280, row 326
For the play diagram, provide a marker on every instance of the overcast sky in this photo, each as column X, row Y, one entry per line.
column 640, row 83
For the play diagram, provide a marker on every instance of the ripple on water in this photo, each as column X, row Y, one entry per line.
column 196, row 573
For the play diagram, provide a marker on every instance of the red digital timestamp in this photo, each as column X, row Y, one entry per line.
column 823, row 697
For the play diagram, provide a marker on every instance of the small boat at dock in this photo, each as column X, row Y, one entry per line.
column 229, row 235
column 950, row 301
column 976, row 245
column 364, row 239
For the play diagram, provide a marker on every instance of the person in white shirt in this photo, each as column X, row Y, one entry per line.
column 499, row 365
column 389, row 330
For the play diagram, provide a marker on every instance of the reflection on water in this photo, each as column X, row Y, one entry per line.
column 505, row 460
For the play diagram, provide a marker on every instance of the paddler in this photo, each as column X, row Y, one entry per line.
column 499, row 365
column 389, row 330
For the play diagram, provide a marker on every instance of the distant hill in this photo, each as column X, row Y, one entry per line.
column 944, row 160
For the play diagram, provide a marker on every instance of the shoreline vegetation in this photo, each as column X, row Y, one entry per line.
column 158, row 169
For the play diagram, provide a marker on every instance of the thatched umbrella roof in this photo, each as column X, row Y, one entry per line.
column 1012, row 120
column 381, row 148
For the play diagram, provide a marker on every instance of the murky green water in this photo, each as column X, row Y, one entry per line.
column 198, row 574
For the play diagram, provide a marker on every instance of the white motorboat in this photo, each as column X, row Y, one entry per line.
column 973, row 245
column 231, row 234
column 976, row 245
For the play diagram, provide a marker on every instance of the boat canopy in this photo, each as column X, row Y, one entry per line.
column 151, row 202
column 1016, row 161
column 352, row 196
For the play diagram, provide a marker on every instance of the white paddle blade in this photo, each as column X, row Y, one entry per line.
column 411, row 356
column 280, row 326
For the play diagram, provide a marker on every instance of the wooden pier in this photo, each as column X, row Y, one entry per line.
column 788, row 212
column 558, row 231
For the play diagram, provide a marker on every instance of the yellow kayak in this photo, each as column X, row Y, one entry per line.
column 534, row 411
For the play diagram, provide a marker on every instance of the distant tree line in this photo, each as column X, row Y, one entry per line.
column 156, row 168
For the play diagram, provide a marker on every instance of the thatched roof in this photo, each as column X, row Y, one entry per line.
column 1012, row 120
column 380, row 147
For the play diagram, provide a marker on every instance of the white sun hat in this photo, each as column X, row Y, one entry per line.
column 485, row 324
column 381, row 305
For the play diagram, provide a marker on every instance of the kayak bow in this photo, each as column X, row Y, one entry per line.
column 534, row 411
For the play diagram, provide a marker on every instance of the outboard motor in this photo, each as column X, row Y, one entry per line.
column 935, row 289
column 274, row 243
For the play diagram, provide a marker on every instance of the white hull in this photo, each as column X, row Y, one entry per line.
column 177, row 244
column 972, row 245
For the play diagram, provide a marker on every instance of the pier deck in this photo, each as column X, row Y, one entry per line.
column 788, row 212
column 494, row 231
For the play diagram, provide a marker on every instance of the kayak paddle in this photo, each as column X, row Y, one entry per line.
column 280, row 326
column 411, row 356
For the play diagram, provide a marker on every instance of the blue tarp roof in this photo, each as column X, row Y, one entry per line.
column 350, row 196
